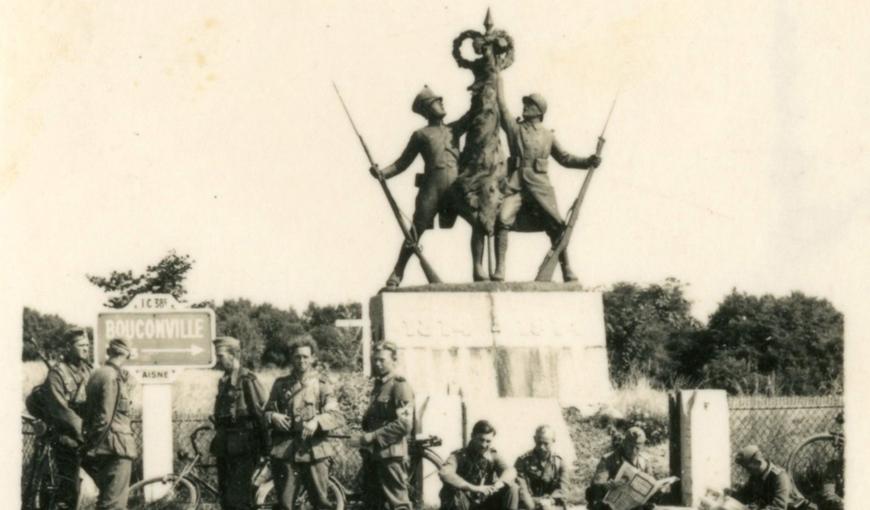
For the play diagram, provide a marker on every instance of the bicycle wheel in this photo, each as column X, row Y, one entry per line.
column 266, row 496
column 808, row 462
column 169, row 493
column 425, row 469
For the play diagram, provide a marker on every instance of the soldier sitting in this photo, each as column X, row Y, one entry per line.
column 541, row 474
column 477, row 477
column 608, row 466
column 769, row 486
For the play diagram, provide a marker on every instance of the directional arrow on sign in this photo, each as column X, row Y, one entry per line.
column 193, row 350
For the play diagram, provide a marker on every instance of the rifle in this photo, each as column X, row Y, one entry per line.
column 410, row 239
column 39, row 352
column 548, row 266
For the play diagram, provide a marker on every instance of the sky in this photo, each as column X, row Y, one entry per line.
column 732, row 157
column 735, row 157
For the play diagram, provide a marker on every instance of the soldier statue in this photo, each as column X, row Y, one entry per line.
column 629, row 451
column 301, row 410
column 477, row 477
column 387, row 423
column 530, row 194
column 61, row 401
column 239, row 435
column 438, row 144
column 109, row 438
column 769, row 486
column 541, row 473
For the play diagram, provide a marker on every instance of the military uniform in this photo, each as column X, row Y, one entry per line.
column 108, row 434
column 303, row 400
column 606, row 471
column 540, row 479
column 832, row 486
column 239, row 439
column 772, row 490
column 63, row 400
column 529, row 188
column 437, row 195
column 387, row 423
column 476, row 469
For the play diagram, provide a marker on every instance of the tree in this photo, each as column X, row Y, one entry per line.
column 165, row 277
column 643, row 326
column 794, row 344
column 47, row 330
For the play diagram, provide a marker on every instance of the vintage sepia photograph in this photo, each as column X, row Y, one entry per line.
column 413, row 255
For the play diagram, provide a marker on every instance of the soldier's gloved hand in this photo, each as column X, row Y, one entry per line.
column 309, row 428
column 594, row 161
column 281, row 421
column 375, row 171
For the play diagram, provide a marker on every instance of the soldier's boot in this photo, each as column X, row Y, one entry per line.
column 501, row 245
column 399, row 270
column 478, row 246
column 567, row 273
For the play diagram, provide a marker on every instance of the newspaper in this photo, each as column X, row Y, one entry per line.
column 633, row 488
column 715, row 500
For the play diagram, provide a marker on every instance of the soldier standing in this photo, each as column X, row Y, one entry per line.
column 238, row 415
column 301, row 410
column 438, row 143
column 529, row 190
column 769, row 486
column 387, row 423
column 61, row 400
column 541, row 474
column 608, row 466
column 108, row 435
column 477, row 477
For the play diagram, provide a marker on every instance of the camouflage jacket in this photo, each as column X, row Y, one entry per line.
column 311, row 398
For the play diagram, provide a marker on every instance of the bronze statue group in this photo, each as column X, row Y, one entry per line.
column 89, row 414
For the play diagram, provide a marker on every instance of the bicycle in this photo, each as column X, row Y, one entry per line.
column 41, row 486
column 183, row 490
column 808, row 462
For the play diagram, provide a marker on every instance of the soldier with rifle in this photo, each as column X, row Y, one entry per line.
column 529, row 189
column 60, row 402
column 301, row 411
column 438, row 144
column 240, row 436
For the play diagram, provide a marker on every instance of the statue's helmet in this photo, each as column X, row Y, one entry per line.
column 536, row 100
column 424, row 97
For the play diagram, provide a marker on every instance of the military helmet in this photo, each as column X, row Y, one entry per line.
column 634, row 436
column 747, row 454
column 423, row 98
column 537, row 100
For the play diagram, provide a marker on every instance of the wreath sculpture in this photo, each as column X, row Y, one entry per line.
column 501, row 43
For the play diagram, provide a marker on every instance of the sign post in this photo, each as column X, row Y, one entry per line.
column 165, row 339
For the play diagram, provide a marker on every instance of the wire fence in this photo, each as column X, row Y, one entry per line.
column 778, row 425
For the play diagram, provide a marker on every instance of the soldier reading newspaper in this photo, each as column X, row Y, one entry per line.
column 633, row 488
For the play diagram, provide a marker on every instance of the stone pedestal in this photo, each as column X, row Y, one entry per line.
column 499, row 340
column 705, row 443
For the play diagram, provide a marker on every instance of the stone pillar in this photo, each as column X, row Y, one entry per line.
column 705, row 443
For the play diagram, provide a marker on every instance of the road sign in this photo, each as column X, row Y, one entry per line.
column 160, row 333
